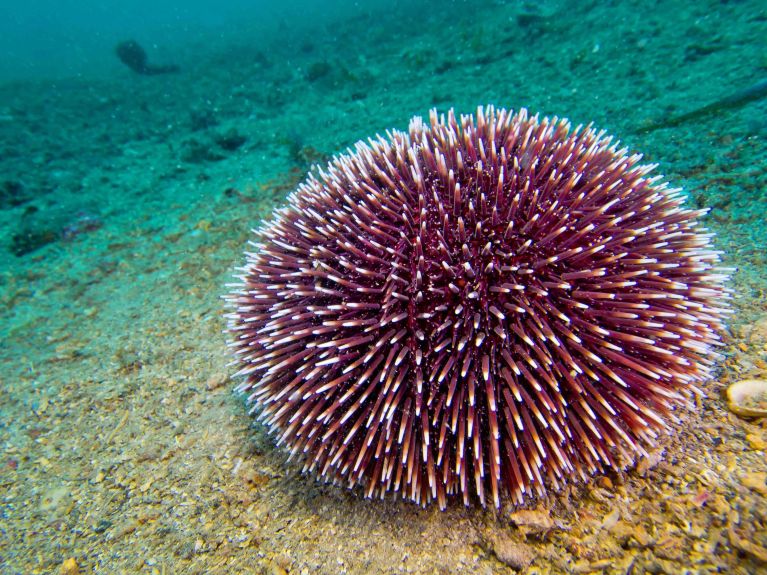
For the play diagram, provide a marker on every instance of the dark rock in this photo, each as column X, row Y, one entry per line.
column 230, row 140
column 202, row 119
column 30, row 240
column 102, row 526
column 530, row 20
column 317, row 70
column 12, row 194
column 134, row 57
column 196, row 152
column 82, row 223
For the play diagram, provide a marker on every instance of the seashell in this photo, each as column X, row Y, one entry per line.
column 748, row 397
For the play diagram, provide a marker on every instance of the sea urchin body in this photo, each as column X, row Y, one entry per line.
column 482, row 306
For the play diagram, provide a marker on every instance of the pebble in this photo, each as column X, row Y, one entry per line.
column 746, row 545
column 69, row 567
column 216, row 381
column 532, row 520
column 756, row 480
column 756, row 442
column 647, row 463
column 757, row 332
column 611, row 519
column 592, row 567
column 604, row 482
column 56, row 500
column 513, row 553
column 124, row 529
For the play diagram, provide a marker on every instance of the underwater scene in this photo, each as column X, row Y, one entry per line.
column 431, row 287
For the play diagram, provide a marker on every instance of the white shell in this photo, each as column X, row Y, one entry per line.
column 739, row 393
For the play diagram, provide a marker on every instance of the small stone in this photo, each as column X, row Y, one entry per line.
column 757, row 332
column 756, row 480
column 718, row 504
column 532, row 520
column 70, row 567
column 126, row 528
column 283, row 560
column 56, row 500
column 582, row 566
column 756, row 442
column 641, row 536
column 611, row 519
column 230, row 140
column 203, row 225
column 601, row 564
column 701, row 497
column 102, row 526
column 744, row 544
column 605, row 482
column 513, row 553
column 647, row 463
column 216, row 381
column 622, row 531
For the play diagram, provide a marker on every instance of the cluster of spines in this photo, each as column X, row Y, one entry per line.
column 483, row 305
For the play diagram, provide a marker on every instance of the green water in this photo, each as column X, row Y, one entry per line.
column 126, row 200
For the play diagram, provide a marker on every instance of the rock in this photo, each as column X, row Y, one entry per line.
column 532, row 521
column 28, row 240
column 756, row 480
column 317, row 70
column 611, row 519
column 756, row 442
column 13, row 193
column 196, row 152
column 757, row 331
column 202, row 119
column 513, row 553
column 230, row 140
column 647, row 463
column 605, row 483
column 747, row 546
column 622, row 531
column 69, row 567
column 134, row 57
column 56, row 501
column 215, row 381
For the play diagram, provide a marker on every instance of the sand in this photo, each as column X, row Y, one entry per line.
column 127, row 203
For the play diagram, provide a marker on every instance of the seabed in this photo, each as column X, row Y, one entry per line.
column 126, row 203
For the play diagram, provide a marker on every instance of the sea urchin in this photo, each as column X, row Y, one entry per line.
column 481, row 306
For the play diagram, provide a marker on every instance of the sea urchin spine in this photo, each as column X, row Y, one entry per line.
column 483, row 306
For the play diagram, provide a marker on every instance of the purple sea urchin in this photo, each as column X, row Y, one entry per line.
column 482, row 306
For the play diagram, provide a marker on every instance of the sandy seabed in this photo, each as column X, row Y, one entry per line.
column 126, row 205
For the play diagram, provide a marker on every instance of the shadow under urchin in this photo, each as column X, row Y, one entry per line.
column 485, row 306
